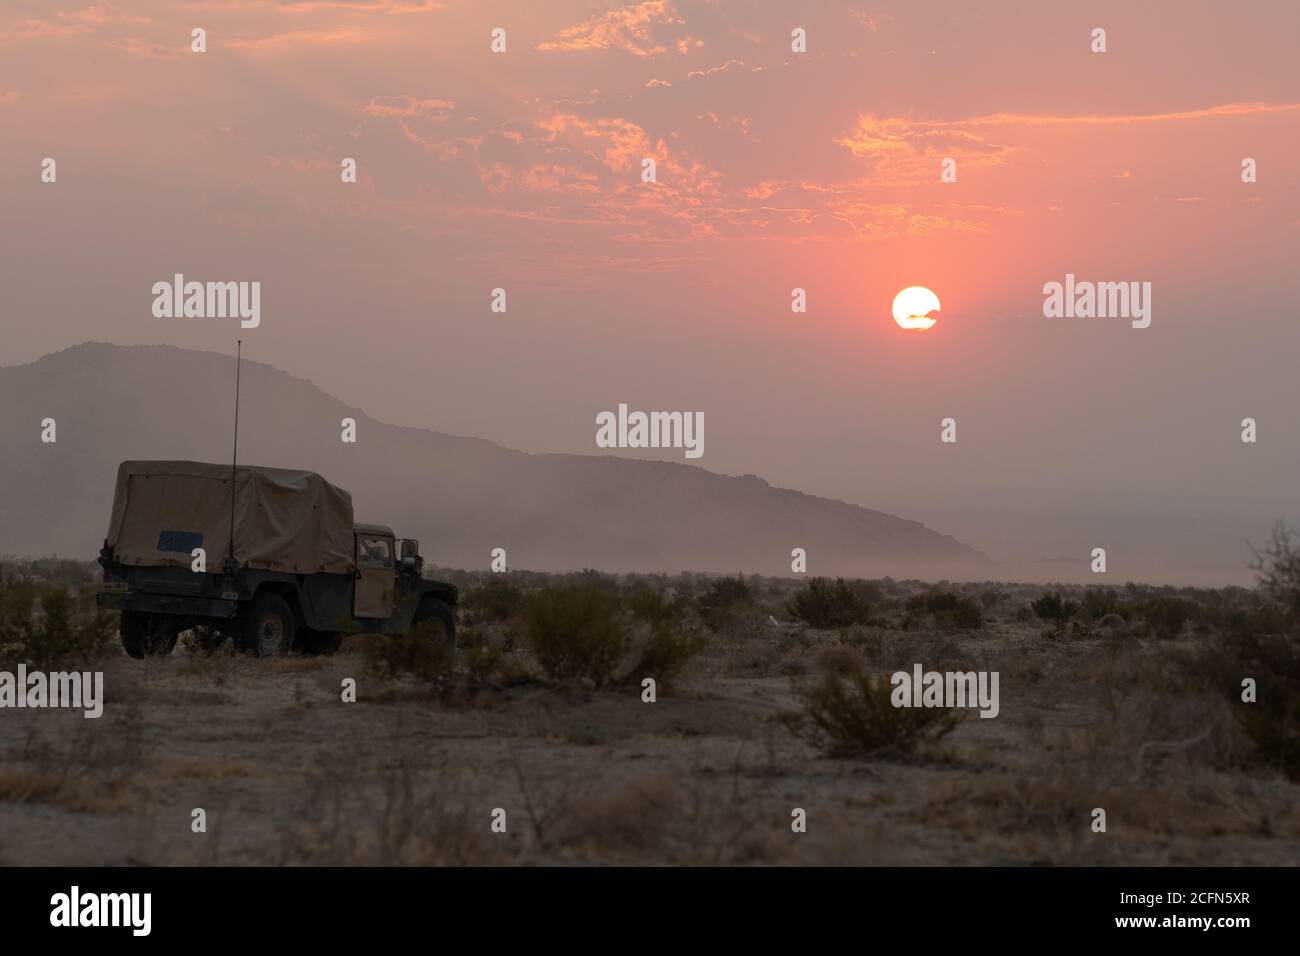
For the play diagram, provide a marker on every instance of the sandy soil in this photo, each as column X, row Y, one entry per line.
column 288, row 773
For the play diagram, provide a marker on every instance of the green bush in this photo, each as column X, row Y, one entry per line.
column 724, row 599
column 672, row 642
column 723, row 592
column 421, row 653
column 1278, row 567
column 1264, row 643
column 728, row 608
column 1098, row 602
column 949, row 609
column 852, row 715
column 17, row 623
column 656, row 610
column 81, row 576
column 1167, row 616
column 664, row 656
column 1272, row 722
column 824, row 605
column 484, row 663
column 1053, row 606
column 45, row 626
column 495, row 599
column 575, row 632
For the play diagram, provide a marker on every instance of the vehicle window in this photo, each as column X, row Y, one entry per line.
column 374, row 553
column 180, row 541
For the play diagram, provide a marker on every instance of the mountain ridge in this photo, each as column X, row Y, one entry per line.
column 462, row 495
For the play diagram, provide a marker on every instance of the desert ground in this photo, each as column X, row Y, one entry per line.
column 1134, row 711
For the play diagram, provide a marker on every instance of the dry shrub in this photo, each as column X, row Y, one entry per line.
column 672, row 641
column 722, row 595
column 17, row 602
column 875, row 644
column 1267, row 648
column 1263, row 643
column 1152, row 721
column 752, row 659
column 1047, row 802
column 575, row 632
column 1053, row 606
column 1112, row 625
column 383, row 816
column 825, row 604
column 90, row 766
column 948, row 610
column 729, row 610
column 664, row 656
column 46, row 626
column 484, row 662
column 421, row 653
column 1167, row 616
column 580, row 635
column 656, row 609
column 496, row 599
column 852, row 716
column 838, row 659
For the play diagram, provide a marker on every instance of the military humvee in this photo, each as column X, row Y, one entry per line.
column 277, row 566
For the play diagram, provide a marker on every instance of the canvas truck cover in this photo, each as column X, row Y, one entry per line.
column 285, row 520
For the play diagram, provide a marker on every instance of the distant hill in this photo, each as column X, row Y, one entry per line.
column 461, row 497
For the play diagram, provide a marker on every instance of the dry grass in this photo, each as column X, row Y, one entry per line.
column 289, row 774
column 25, row 786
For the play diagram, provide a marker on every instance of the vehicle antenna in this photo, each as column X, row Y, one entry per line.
column 234, row 458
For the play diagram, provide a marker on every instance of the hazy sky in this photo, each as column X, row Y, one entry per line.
column 775, row 170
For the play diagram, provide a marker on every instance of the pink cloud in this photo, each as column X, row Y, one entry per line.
column 296, row 39
column 729, row 65
column 633, row 29
column 71, row 23
column 435, row 109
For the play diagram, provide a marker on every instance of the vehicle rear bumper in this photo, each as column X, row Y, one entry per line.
column 167, row 604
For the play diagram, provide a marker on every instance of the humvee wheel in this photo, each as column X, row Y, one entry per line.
column 267, row 627
column 440, row 616
column 147, row 635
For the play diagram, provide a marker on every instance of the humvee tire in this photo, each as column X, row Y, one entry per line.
column 266, row 627
column 147, row 635
column 439, row 614
column 319, row 642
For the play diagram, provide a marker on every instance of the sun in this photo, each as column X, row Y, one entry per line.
column 912, row 308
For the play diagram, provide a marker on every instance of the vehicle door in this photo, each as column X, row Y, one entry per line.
column 373, row 595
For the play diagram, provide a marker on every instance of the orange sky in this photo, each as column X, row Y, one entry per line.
column 775, row 170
